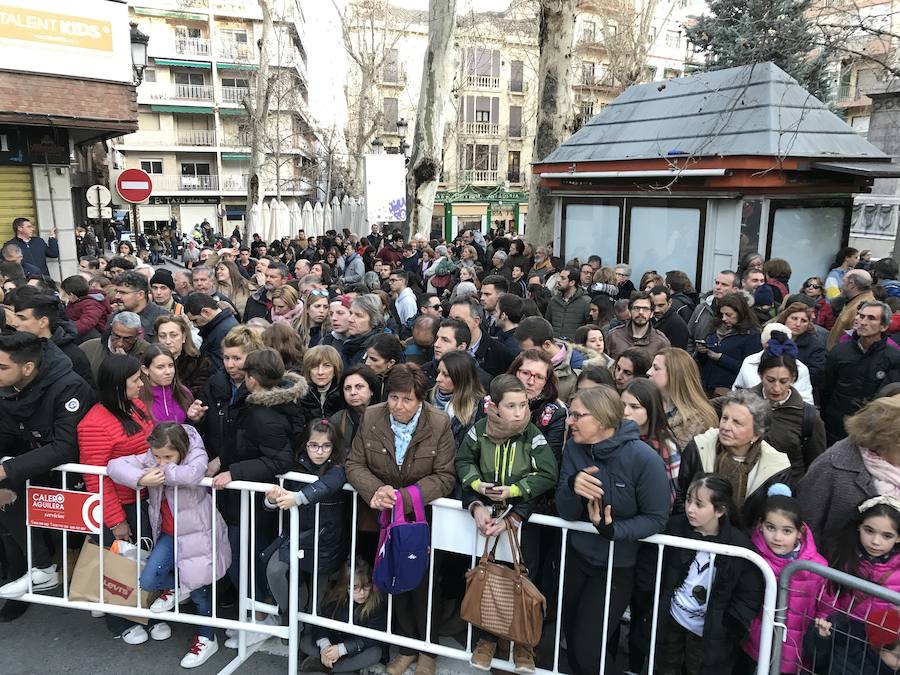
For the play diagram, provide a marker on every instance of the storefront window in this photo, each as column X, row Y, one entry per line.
column 591, row 229
column 807, row 238
column 751, row 213
column 664, row 239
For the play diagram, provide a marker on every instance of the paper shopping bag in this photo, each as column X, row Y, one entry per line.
column 119, row 579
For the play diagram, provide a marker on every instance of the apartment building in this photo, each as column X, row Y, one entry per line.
column 193, row 137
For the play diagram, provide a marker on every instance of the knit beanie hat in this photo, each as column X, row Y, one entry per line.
column 164, row 277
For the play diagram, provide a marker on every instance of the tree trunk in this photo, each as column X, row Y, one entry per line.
column 428, row 138
column 258, row 111
column 554, row 113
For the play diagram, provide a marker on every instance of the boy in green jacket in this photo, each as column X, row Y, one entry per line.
column 504, row 464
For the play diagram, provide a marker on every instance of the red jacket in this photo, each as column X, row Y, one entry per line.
column 102, row 438
column 89, row 313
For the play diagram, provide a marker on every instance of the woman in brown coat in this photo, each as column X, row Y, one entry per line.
column 402, row 442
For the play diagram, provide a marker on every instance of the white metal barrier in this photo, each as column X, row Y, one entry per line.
column 455, row 507
column 248, row 603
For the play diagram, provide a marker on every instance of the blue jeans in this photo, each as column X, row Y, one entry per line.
column 159, row 575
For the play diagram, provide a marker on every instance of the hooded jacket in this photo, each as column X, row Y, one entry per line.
column 567, row 315
column 635, row 484
column 802, row 603
column 524, row 461
column 683, row 305
column 213, row 333
column 748, row 377
column 734, row 598
column 861, row 605
column 194, row 515
column 354, row 269
column 38, row 424
column 90, row 314
column 65, row 336
column 699, row 456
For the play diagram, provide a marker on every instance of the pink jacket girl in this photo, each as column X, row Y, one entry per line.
column 194, row 512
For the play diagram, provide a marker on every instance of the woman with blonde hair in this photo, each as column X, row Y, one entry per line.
column 286, row 306
column 174, row 333
column 232, row 284
column 676, row 375
column 322, row 368
column 314, row 319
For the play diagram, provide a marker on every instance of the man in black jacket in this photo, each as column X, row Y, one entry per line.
column 41, row 403
column 856, row 369
column 35, row 250
column 213, row 323
column 259, row 305
column 452, row 335
column 38, row 313
column 489, row 354
column 666, row 320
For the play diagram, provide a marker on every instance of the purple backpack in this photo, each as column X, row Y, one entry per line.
column 403, row 546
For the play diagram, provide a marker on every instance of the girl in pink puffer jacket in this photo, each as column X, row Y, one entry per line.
column 782, row 537
column 177, row 458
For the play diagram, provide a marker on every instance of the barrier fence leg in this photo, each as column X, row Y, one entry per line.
column 294, row 599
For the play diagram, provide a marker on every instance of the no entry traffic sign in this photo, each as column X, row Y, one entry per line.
column 64, row 510
column 134, row 185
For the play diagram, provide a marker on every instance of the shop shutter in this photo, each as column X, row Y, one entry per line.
column 16, row 198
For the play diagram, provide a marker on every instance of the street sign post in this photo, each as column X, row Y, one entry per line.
column 98, row 195
column 99, row 212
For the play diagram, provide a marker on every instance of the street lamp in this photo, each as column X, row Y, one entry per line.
column 402, row 126
column 404, row 146
column 139, row 42
column 377, row 145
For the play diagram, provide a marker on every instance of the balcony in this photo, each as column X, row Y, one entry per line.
column 481, row 129
column 590, row 39
column 234, row 183
column 170, row 183
column 602, row 82
column 237, row 139
column 392, row 78
column 204, row 137
column 179, row 92
column 236, row 52
column 518, row 88
column 185, row 46
column 516, row 132
column 234, row 94
column 479, row 176
column 482, row 82
column 516, row 177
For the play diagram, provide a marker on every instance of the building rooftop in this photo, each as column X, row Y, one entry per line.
column 756, row 110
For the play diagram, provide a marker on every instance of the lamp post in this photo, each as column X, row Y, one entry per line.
column 402, row 126
column 139, row 42
column 377, row 146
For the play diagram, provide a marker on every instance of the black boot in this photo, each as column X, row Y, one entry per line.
column 12, row 610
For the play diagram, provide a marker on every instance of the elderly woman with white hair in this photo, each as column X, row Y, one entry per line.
column 366, row 320
column 736, row 451
column 748, row 376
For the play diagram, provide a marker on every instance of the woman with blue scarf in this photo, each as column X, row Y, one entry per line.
column 402, row 442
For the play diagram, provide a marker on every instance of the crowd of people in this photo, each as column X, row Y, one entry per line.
column 485, row 369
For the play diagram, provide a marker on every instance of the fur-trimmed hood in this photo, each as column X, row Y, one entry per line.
column 291, row 389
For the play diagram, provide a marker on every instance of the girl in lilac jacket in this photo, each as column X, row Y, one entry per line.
column 177, row 459
column 782, row 537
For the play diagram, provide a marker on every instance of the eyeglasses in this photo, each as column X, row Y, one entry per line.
column 577, row 415
column 812, row 286
column 437, row 306
column 319, row 447
column 319, row 291
column 528, row 375
column 642, row 309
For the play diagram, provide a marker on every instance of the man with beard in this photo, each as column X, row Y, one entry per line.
column 637, row 331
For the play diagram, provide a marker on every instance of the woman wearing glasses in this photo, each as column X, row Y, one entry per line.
column 535, row 370
column 617, row 482
column 814, row 288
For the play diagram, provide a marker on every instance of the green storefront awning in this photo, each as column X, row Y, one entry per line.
column 235, row 156
column 145, row 11
column 199, row 110
column 232, row 112
column 183, row 64
column 236, row 66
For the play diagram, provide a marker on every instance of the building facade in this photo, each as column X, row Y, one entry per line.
column 65, row 87
column 194, row 136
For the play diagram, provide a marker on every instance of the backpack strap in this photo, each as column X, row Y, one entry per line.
column 806, row 427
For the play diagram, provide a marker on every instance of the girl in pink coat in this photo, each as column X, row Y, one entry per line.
column 782, row 537
column 177, row 458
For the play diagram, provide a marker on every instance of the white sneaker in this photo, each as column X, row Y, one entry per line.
column 164, row 603
column 160, row 632
column 41, row 580
column 201, row 650
column 97, row 615
column 230, row 632
column 136, row 635
column 253, row 638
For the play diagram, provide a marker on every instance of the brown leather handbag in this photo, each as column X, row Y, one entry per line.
column 502, row 600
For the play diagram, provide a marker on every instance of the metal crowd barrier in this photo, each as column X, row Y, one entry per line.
column 849, row 630
column 446, row 535
column 248, row 604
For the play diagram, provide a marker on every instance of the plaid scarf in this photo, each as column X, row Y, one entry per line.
column 671, row 457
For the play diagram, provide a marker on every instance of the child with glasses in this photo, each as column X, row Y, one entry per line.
column 323, row 457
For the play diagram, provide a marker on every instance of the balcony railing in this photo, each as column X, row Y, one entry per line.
column 596, row 82
column 234, row 94
column 478, row 176
column 483, row 81
column 515, row 177
column 170, row 183
column 183, row 92
column 185, row 46
column 237, row 138
column 481, row 129
column 590, row 39
column 234, row 183
column 236, row 52
column 205, row 137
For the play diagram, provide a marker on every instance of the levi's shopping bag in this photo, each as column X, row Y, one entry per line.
column 403, row 546
column 119, row 579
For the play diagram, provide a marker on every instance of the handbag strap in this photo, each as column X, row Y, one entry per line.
column 398, row 513
column 516, row 550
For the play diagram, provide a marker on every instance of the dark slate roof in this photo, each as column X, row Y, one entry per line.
column 756, row 110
